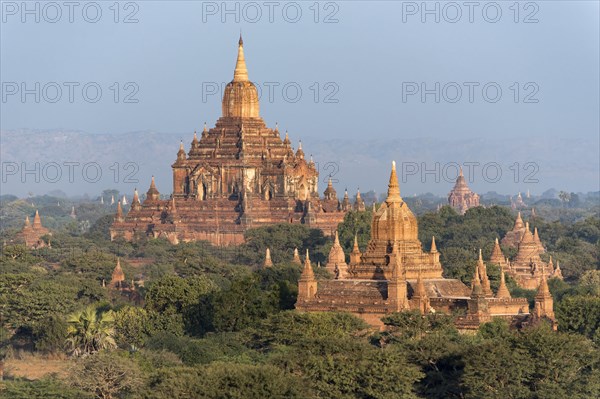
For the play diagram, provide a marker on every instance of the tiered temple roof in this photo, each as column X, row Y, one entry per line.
column 237, row 175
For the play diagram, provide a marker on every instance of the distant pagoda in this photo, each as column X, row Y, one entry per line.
column 461, row 197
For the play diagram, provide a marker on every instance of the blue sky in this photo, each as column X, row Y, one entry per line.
column 356, row 71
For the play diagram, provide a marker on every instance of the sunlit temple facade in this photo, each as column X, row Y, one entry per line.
column 237, row 175
column 394, row 274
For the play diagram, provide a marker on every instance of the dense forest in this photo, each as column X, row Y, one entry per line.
column 199, row 321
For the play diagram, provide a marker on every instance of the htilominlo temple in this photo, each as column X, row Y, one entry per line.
column 238, row 175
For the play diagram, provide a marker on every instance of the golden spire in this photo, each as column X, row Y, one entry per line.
column 136, row 197
column 485, row 282
column 393, row 187
column 37, row 221
column 518, row 222
column 296, row 257
column 307, row 272
column 543, row 290
column 420, row 291
column 268, row 261
column 476, row 291
column 27, row 223
column 241, row 72
column 433, row 246
column 503, row 292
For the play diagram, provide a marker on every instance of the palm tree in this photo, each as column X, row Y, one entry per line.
column 90, row 330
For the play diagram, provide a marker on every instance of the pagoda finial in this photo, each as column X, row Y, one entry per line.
column 27, row 223
column 518, row 222
column 337, row 239
column 268, row 261
column 480, row 256
column 503, row 292
column 460, row 172
column 241, row 72
column 543, row 290
column 476, row 290
column 393, row 187
column 307, row 272
column 37, row 220
column 433, row 246
column 296, row 257
column 119, row 211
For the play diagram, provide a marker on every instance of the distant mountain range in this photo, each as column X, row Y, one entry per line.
column 40, row 161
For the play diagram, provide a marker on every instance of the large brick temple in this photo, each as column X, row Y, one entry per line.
column 237, row 175
column 461, row 197
column 394, row 274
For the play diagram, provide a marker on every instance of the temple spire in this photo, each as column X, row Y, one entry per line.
column 119, row 217
column 503, row 292
column 543, row 290
column 476, row 291
column 355, row 248
column 296, row 257
column 152, row 193
column 393, row 187
column 433, row 246
column 485, row 282
column 37, row 221
column 241, row 72
column 27, row 223
column 518, row 222
column 307, row 272
column 268, row 261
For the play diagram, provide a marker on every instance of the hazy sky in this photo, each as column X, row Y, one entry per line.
column 361, row 67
